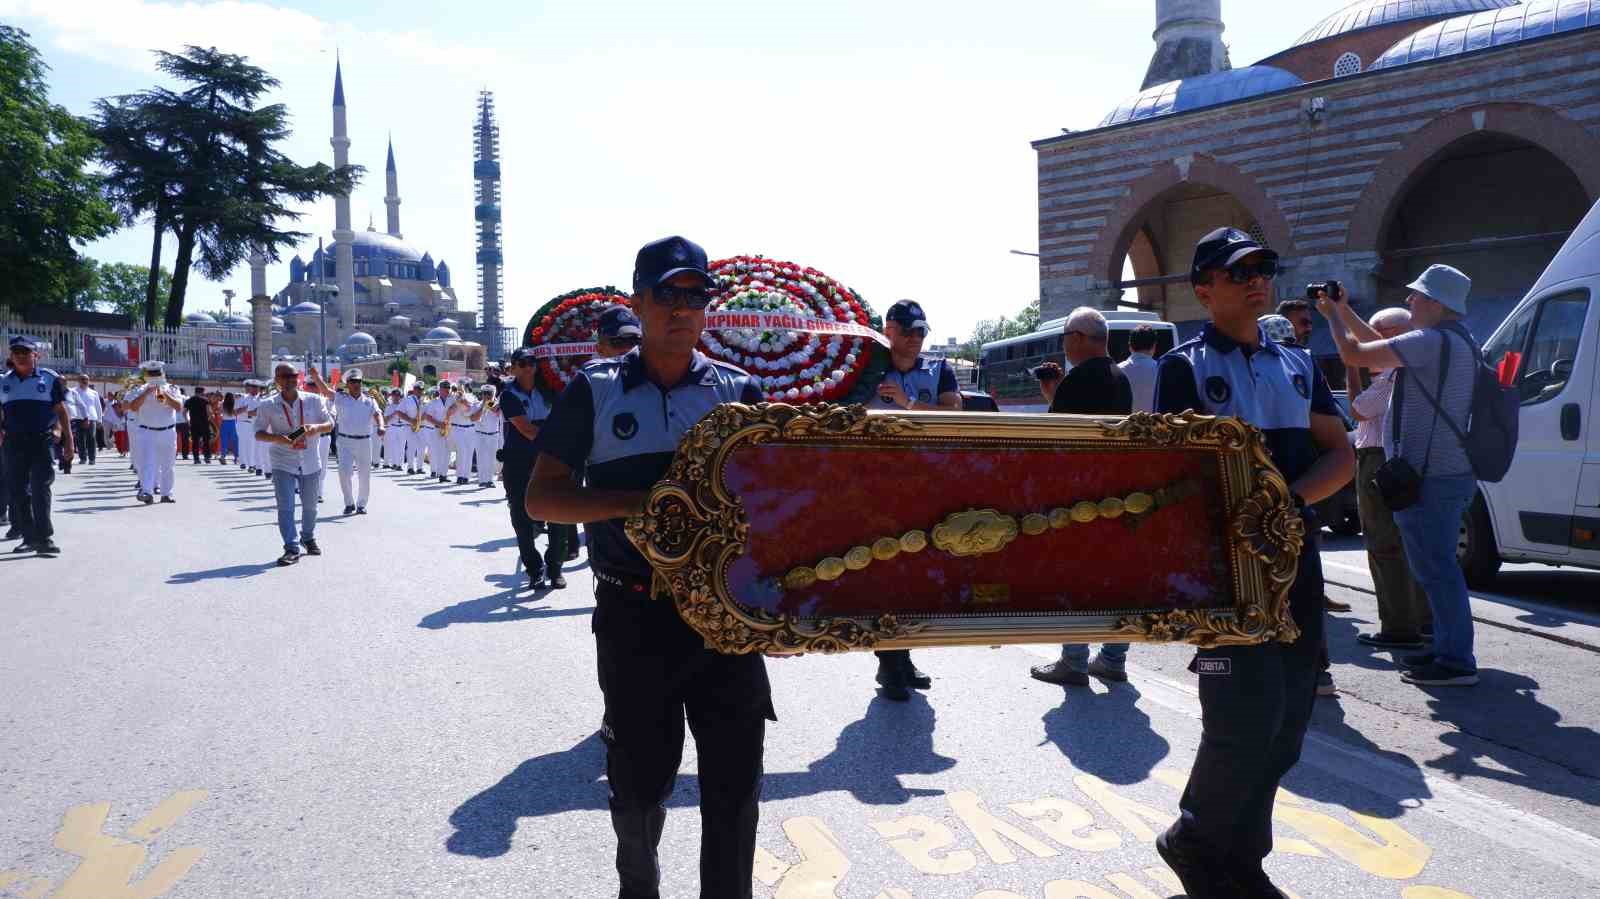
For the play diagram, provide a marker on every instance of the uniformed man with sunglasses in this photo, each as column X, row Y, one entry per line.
column 1255, row 701
column 619, row 422
column 913, row 382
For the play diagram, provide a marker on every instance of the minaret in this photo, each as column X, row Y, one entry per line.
column 1188, row 41
column 391, row 197
column 486, row 169
column 343, row 236
column 260, row 316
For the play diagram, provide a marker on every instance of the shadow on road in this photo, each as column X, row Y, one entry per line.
column 495, row 608
column 231, row 572
column 1106, row 735
column 488, row 546
column 551, row 784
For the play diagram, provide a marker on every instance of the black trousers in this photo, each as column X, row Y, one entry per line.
column 654, row 673
column 83, row 434
column 518, row 467
column 1255, row 703
column 183, row 439
column 29, row 474
column 199, row 442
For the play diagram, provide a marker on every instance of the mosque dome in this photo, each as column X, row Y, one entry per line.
column 399, row 321
column 360, row 338
column 277, row 323
column 1365, row 14
column 380, row 246
column 198, row 318
column 1491, row 28
column 306, row 308
column 442, row 333
column 1199, row 92
column 239, row 320
column 449, row 323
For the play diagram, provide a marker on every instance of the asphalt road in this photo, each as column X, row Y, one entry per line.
column 181, row 718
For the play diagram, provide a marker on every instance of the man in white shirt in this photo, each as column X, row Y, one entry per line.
column 291, row 427
column 463, row 439
column 434, row 416
column 1140, row 367
column 155, row 409
column 411, row 414
column 359, row 423
column 244, row 409
column 486, row 427
column 394, row 438
column 1403, row 613
column 87, row 412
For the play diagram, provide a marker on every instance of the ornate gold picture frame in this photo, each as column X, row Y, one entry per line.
column 782, row 529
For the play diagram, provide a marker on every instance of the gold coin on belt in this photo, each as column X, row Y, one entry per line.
column 831, row 568
column 1085, row 512
column 914, row 541
column 800, row 578
column 1035, row 524
column 857, row 558
column 1060, row 518
column 885, row 548
column 1111, row 507
column 1138, row 503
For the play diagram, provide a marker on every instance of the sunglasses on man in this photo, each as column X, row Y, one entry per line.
column 1245, row 272
column 670, row 296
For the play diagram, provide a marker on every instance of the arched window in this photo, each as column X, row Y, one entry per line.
column 1346, row 64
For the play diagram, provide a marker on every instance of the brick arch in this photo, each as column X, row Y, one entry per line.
column 1538, row 125
column 1125, row 219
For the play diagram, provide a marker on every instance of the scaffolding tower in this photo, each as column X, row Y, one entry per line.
column 486, row 170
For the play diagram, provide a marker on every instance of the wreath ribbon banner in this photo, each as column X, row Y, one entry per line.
column 785, row 321
column 550, row 350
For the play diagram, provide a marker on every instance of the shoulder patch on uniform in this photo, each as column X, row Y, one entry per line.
column 1218, row 390
column 1302, row 387
column 624, row 426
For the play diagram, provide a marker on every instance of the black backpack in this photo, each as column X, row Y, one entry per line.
column 1490, row 437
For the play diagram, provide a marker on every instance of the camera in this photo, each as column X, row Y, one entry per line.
column 1331, row 288
column 296, row 434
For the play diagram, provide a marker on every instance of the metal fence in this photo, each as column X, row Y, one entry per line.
column 199, row 352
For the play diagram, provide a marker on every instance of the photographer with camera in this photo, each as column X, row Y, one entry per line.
column 291, row 426
column 1427, row 479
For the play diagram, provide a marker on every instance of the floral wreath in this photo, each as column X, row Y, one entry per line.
column 795, row 366
column 569, row 318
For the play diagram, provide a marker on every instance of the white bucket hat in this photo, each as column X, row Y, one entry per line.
column 1446, row 286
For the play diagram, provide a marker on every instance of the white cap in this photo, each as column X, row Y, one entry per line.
column 152, row 365
column 353, row 374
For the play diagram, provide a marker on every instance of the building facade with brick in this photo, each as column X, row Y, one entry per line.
column 1394, row 134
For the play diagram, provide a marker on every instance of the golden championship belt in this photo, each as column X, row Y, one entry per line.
column 772, row 531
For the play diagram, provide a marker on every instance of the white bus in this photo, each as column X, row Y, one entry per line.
column 1005, row 370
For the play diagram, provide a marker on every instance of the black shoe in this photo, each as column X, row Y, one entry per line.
column 146, row 498
column 361, row 510
column 443, row 479
column 1436, row 675
column 47, row 547
column 461, row 482
column 168, row 499
column 26, row 546
column 536, row 582
column 557, row 582
column 1201, row 877
column 349, row 510
column 312, row 549
column 915, row 678
column 1382, row 640
column 892, row 678
column 1419, row 660
column 288, row 558
column 13, row 534
column 1059, row 672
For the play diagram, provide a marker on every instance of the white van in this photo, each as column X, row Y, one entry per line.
column 1547, row 509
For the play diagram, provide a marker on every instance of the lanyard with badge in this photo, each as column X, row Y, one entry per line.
column 296, row 432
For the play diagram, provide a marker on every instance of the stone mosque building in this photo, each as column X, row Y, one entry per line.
column 392, row 299
column 1393, row 134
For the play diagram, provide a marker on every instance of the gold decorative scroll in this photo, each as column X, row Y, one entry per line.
column 693, row 528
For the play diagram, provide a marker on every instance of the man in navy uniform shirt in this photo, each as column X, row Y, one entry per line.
column 1255, row 700
column 33, row 400
column 524, row 412
column 914, row 381
column 619, row 422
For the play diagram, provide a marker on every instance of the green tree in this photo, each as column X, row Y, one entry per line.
column 50, row 203
column 401, row 365
column 203, row 164
column 992, row 329
column 120, row 287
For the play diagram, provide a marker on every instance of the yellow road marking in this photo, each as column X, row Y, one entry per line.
column 107, row 864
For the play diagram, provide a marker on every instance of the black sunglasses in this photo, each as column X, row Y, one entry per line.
column 669, row 296
column 1245, row 272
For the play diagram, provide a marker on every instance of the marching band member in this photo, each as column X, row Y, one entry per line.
column 155, row 409
column 394, row 440
column 415, row 445
column 463, row 439
column 357, row 419
column 619, row 422
column 486, row 426
column 435, row 418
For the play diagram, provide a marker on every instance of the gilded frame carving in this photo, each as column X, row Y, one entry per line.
column 693, row 528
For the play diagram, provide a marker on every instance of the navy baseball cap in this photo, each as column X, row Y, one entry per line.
column 522, row 354
column 661, row 260
column 23, row 342
column 1222, row 248
column 907, row 314
column 618, row 321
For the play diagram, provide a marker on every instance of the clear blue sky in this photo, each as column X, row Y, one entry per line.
column 884, row 142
